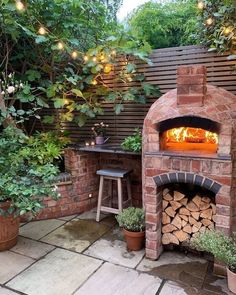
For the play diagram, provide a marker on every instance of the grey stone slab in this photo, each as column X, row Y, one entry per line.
column 76, row 235
column 172, row 289
column 90, row 215
column 115, row 251
column 12, row 264
column 38, row 229
column 176, row 266
column 31, row 248
column 68, row 218
column 4, row 291
column 116, row 280
column 61, row 272
column 216, row 284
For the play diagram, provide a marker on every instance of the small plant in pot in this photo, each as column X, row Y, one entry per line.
column 99, row 131
column 132, row 220
column 223, row 248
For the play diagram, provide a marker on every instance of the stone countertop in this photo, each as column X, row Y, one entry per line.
column 105, row 148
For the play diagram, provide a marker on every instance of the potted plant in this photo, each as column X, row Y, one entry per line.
column 27, row 173
column 133, row 142
column 132, row 220
column 99, row 130
column 223, row 248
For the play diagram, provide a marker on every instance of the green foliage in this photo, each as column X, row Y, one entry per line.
column 27, row 168
column 132, row 219
column 166, row 24
column 133, row 142
column 73, row 84
column 223, row 248
column 221, row 34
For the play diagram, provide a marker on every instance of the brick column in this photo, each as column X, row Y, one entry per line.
column 191, row 85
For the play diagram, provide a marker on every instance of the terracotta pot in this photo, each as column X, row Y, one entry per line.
column 9, row 228
column 134, row 240
column 231, row 276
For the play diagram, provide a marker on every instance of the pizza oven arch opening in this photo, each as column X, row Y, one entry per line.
column 189, row 134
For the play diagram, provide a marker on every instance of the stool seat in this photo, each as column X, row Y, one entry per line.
column 114, row 172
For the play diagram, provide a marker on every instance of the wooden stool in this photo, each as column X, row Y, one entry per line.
column 113, row 174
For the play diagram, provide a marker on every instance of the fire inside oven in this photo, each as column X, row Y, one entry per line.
column 190, row 139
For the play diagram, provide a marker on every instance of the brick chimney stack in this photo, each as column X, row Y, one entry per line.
column 191, row 85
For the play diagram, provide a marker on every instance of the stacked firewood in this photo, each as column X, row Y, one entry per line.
column 183, row 218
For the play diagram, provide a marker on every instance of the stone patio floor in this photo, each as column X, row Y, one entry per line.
column 76, row 255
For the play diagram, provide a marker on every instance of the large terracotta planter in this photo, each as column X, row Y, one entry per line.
column 134, row 240
column 231, row 276
column 9, row 228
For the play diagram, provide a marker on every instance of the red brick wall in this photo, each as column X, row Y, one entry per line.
column 79, row 190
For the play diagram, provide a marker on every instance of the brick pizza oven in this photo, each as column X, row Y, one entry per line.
column 189, row 138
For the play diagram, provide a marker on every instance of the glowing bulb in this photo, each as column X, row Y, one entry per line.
column 86, row 58
column 94, row 59
column 209, row 21
column 66, row 101
column 74, row 54
column 227, row 30
column 200, row 5
column 94, row 82
column 60, row 45
column 113, row 52
column 20, row 6
column 42, row 31
column 107, row 68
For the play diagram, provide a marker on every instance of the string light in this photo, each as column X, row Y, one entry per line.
column 42, row 31
column 227, row 30
column 113, row 52
column 200, row 5
column 94, row 82
column 60, row 45
column 94, row 59
column 86, row 58
column 19, row 5
column 66, row 101
column 107, row 68
column 74, row 54
column 209, row 21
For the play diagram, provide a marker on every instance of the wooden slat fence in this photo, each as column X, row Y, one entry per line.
column 162, row 73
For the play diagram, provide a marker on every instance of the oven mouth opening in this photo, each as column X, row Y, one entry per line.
column 189, row 139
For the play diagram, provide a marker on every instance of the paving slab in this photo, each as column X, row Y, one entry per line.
column 176, row 266
column 38, row 229
column 12, row 264
column 4, row 291
column 216, row 284
column 76, row 235
column 31, row 248
column 115, row 251
column 172, row 289
column 116, row 280
column 68, row 218
column 60, row 272
column 90, row 215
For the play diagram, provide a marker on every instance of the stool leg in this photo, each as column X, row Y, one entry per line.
column 129, row 190
column 100, row 198
column 120, row 197
column 111, row 193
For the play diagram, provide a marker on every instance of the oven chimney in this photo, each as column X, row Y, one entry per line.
column 191, row 85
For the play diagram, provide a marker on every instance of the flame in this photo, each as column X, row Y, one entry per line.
column 194, row 135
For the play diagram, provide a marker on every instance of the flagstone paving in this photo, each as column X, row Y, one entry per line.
column 76, row 255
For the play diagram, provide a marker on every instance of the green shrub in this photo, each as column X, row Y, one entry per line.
column 134, row 142
column 132, row 219
column 221, row 247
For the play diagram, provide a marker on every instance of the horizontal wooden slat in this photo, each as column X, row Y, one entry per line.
column 162, row 72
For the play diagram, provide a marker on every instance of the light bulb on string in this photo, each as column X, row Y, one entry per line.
column 60, row 45
column 94, row 59
column 227, row 30
column 42, row 31
column 113, row 52
column 209, row 21
column 200, row 5
column 86, row 58
column 20, row 5
column 94, row 82
column 107, row 68
column 74, row 54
